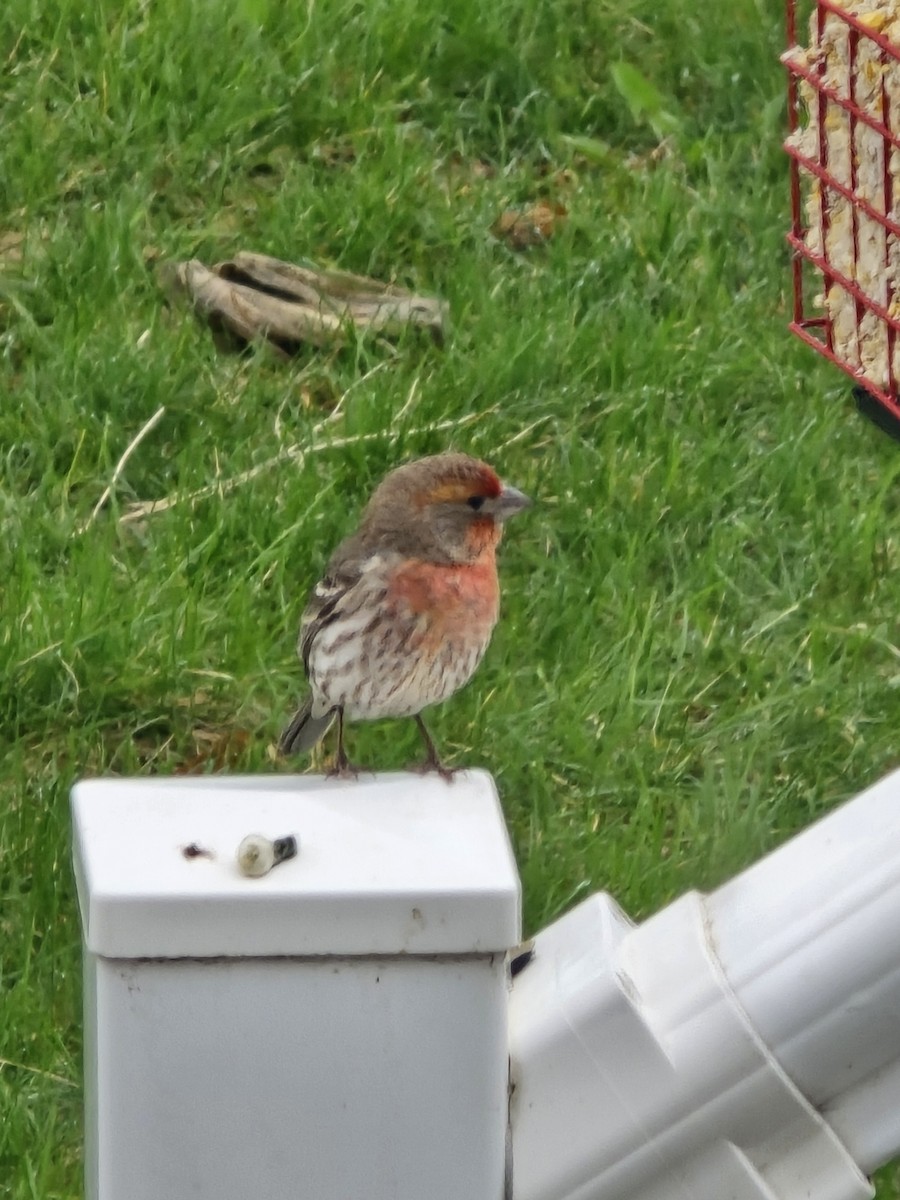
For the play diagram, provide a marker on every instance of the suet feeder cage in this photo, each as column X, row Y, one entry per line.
column 843, row 63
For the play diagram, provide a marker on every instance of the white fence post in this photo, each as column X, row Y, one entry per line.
column 334, row 1030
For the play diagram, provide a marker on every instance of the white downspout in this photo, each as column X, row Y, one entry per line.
column 739, row 1046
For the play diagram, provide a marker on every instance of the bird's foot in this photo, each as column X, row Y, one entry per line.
column 342, row 768
column 434, row 764
column 343, row 771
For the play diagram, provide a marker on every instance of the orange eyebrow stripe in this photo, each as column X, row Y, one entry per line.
column 460, row 490
column 450, row 491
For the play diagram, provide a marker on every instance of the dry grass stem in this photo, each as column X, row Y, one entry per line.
column 295, row 453
column 145, row 429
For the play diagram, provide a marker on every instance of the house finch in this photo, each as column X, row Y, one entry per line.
column 408, row 602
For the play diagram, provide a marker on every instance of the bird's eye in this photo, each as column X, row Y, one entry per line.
column 475, row 502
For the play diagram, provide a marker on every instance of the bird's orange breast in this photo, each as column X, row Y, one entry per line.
column 453, row 598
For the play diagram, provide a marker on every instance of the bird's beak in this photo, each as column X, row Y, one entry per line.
column 508, row 503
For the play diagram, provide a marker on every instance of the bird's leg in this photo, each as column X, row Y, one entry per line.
column 432, row 762
column 343, row 768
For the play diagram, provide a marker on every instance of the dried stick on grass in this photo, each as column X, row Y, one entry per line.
column 38, row 1072
column 120, row 465
column 296, row 453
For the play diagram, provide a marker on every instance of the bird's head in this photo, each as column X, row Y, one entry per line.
column 446, row 508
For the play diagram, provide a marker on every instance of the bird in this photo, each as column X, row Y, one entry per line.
column 405, row 609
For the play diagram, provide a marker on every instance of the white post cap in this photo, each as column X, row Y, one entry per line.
column 388, row 864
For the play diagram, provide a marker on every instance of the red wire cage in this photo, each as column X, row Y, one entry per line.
column 824, row 280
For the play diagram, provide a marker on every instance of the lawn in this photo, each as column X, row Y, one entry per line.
column 698, row 650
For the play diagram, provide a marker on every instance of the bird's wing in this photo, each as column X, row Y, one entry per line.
column 345, row 585
column 326, row 604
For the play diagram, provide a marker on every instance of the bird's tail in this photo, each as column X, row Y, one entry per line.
column 304, row 730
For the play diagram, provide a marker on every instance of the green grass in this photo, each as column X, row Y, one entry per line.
column 698, row 650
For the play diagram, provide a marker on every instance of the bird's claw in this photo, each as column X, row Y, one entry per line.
column 448, row 774
column 342, row 768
